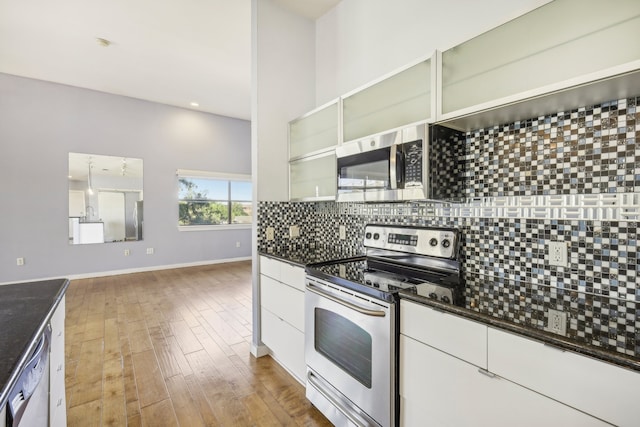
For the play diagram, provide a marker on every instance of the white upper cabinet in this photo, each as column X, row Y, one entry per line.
column 312, row 160
column 403, row 98
column 561, row 45
column 313, row 178
column 314, row 132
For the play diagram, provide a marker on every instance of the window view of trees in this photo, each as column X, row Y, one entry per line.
column 213, row 202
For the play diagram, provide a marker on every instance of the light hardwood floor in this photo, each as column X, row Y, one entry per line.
column 171, row 348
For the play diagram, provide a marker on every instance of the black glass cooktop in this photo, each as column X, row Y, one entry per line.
column 377, row 278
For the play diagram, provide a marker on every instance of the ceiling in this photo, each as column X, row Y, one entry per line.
column 171, row 52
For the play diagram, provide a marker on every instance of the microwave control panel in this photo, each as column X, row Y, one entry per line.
column 413, row 163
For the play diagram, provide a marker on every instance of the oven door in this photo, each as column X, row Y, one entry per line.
column 349, row 350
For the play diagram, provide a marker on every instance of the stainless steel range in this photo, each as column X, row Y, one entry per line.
column 351, row 309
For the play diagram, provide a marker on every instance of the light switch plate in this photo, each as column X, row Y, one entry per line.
column 342, row 231
column 270, row 233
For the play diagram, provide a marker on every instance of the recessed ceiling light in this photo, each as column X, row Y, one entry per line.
column 194, row 104
column 103, row 42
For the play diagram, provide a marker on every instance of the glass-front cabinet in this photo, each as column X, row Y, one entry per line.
column 313, row 178
column 312, row 160
column 402, row 98
column 562, row 44
column 314, row 132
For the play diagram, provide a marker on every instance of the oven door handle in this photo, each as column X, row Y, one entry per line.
column 348, row 304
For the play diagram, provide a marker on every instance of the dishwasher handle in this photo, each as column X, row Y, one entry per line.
column 30, row 377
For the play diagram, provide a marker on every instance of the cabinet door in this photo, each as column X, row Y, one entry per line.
column 437, row 389
column 283, row 301
column 313, row 178
column 286, row 343
column 452, row 334
column 57, row 395
column 569, row 41
column 598, row 388
column 314, row 132
column 403, row 98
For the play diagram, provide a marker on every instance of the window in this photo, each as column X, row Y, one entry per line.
column 206, row 199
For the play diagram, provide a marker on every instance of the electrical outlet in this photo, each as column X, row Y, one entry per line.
column 237, row 244
column 557, row 322
column 342, row 232
column 149, row 251
column 294, row 231
column 270, row 233
column 127, row 252
column 20, row 261
column 558, row 254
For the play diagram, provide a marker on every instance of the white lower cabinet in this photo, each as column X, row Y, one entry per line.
column 285, row 342
column 603, row 390
column 57, row 400
column 282, row 314
column 439, row 388
column 452, row 334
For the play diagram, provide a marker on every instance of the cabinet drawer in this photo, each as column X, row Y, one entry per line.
column 452, row 334
column 598, row 388
column 292, row 276
column 441, row 390
column 286, row 344
column 58, row 414
column 270, row 267
column 283, row 301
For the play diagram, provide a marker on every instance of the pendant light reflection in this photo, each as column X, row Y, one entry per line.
column 89, row 180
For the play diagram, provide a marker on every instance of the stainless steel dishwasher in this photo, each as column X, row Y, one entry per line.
column 29, row 399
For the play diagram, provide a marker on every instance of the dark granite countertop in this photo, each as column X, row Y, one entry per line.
column 548, row 338
column 305, row 256
column 25, row 310
column 309, row 255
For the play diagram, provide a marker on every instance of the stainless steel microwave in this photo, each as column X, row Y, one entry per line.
column 414, row 163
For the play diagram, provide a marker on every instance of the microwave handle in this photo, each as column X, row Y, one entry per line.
column 396, row 167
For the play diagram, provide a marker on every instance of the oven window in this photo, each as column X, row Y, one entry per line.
column 344, row 343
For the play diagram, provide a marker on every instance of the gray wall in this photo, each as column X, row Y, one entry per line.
column 41, row 122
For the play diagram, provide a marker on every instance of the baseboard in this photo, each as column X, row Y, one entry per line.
column 134, row 270
column 259, row 351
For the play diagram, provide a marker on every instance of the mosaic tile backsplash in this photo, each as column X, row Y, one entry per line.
column 578, row 154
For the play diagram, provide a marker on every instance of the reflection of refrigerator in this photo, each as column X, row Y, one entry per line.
column 139, row 219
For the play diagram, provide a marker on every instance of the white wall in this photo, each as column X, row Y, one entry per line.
column 283, row 89
column 42, row 122
column 361, row 40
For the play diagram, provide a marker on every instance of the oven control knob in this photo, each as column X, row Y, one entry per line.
column 367, row 236
column 446, row 243
column 433, row 241
column 446, row 299
column 376, row 236
column 433, row 295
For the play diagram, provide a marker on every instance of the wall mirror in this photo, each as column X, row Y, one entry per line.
column 105, row 199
